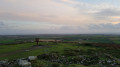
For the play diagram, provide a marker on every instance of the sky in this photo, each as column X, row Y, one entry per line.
column 59, row 17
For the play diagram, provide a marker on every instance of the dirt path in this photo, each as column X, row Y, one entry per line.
column 22, row 50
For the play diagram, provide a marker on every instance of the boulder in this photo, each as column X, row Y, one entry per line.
column 32, row 57
column 3, row 63
column 24, row 63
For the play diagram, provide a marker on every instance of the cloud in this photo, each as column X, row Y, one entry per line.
column 5, row 25
column 108, row 12
column 69, row 1
column 69, row 27
column 46, row 11
column 39, row 10
column 108, row 26
column 115, row 22
column 2, row 24
column 58, row 16
column 66, row 12
column 108, row 15
column 102, row 13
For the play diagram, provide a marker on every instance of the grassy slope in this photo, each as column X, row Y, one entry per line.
column 10, row 48
column 6, row 40
column 58, row 48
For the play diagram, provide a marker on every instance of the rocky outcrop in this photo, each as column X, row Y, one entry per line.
column 32, row 58
column 4, row 63
column 24, row 63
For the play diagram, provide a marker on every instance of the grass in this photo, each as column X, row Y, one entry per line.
column 60, row 47
column 42, row 63
column 69, row 50
column 11, row 48
column 116, row 41
column 6, row 40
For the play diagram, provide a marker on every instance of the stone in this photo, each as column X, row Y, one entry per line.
column 27, row 50
column 32, row 57
column 24, row 63
column 3, row 63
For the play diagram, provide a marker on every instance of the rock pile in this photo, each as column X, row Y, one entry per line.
column 23, row 62
column 4, row 63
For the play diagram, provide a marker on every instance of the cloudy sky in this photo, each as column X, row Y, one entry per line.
column 59, row 16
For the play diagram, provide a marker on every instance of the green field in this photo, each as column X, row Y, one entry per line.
column 67, row 49
column 69, row 54
column 14, row 39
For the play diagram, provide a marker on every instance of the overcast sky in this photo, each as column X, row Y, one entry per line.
column 59, row 16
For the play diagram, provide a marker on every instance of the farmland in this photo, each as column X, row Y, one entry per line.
column 85, row 51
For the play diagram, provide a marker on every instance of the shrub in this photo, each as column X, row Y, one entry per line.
column 71, row 52
column 55, row 65
column 87, row 44
column 49, row 56
column 38, row 63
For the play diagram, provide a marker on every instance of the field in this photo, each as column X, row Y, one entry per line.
column 89, row 38
column 83, row 52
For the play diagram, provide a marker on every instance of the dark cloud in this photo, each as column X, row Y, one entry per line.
column 5, row 25
column 11, row 16
column 108, row 12
column 67, row 28
column 2, row 24
column 105, row 14
column 107, row 26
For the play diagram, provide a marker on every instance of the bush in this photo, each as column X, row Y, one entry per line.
column 87, row 44
column 38, row 63
column 49, row 56
column 55, row 65
column 71, row 52
column 89, row 60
